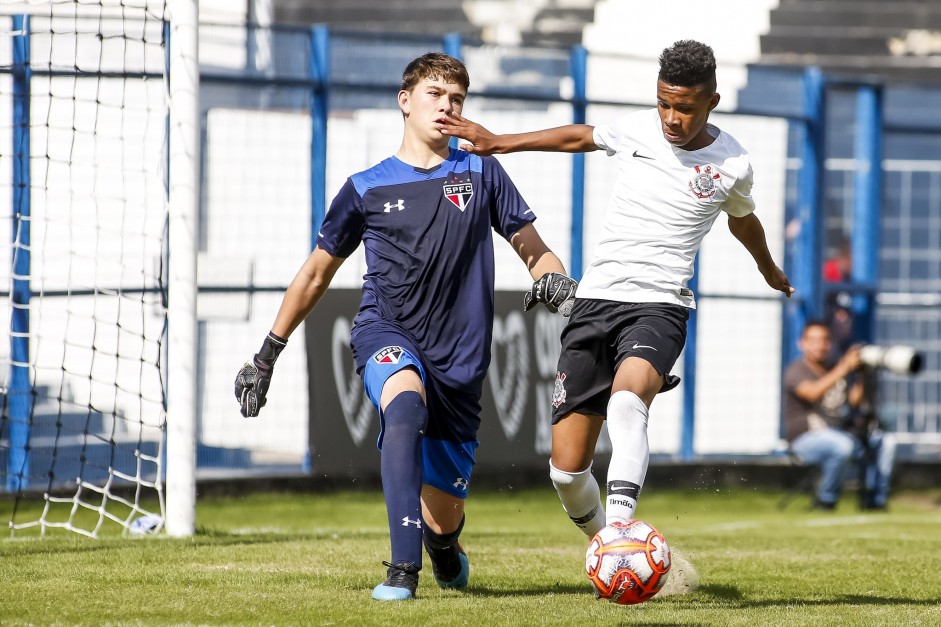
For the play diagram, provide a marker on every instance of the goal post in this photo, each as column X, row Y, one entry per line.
column 184, row 133
column 99, row 175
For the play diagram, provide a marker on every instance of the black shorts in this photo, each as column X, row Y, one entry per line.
column 599, row 336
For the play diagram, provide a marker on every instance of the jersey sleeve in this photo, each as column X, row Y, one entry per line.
column 794, row 375
column 509, row 212
column 612, row 135
column 343, row 226
column 606, row 137
column 740, row 202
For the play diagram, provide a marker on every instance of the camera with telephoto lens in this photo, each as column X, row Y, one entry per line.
column 898, row 358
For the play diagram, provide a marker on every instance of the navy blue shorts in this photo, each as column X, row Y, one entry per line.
column 450, row 441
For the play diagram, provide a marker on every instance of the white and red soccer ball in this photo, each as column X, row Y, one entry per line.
column 628, row 562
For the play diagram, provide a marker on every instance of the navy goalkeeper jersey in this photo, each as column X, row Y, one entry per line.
column 429, row 254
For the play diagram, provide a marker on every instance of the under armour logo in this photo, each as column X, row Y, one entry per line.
column 406, row 521
column 399, row 205
column 460, row 483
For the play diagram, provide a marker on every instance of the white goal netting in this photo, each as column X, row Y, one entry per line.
column 83, row 223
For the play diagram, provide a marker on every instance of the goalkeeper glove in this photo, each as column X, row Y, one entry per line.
column 251, row 384
column 555, row 290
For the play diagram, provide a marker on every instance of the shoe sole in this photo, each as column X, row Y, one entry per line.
column 383, row 592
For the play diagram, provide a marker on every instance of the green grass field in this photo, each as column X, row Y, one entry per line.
column 312, row 559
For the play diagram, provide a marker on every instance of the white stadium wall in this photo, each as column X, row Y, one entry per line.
column 739, row 339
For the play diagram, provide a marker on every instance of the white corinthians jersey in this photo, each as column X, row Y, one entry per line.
column 665, row 200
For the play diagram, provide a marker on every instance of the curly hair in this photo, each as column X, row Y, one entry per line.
column 435, row 65
column 688, row 63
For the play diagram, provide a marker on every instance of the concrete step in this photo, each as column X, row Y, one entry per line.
column 554, row 38
column 570, row 15
column 414, row 7
column 396, row 16
column 825, row 40
column 908, row 15
column 429, row 29
column 394, row 20
column 889, row 69
column 559, row 26
column 550, row 24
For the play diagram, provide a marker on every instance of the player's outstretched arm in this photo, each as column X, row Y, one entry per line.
column 570, row 138
column 310, row 283
column 751, row 234
column 552, row 286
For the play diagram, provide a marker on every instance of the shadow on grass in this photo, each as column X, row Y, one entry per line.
column 559, row 588
column 722, row 595
column 733, row 597
column 74, row 544
column 711, row 592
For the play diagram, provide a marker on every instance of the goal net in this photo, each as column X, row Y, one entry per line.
column 83, row 226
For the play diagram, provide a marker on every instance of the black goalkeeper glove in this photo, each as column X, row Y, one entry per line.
column 251, row 384
column 555, row 290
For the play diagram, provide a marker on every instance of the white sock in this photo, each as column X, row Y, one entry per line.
column 581, row 498
column 627, row 427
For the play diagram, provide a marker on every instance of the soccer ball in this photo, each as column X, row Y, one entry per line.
column 628, row 562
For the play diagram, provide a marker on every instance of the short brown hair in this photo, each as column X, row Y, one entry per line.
column 435, row 65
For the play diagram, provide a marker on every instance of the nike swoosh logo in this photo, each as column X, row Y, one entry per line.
column 636, row 346
column 640, row 156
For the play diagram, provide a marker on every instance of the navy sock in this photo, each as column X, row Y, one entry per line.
column 405, row 419
column 443, row 540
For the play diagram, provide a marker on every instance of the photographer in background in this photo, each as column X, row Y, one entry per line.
column 829, row 421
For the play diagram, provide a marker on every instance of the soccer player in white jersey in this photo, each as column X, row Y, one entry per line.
column 676, row 173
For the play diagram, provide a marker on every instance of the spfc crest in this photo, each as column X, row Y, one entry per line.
column 703, row 184
column 388, row 355
column 458, row 192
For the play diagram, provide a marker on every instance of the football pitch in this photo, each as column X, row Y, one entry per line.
column 312, row 559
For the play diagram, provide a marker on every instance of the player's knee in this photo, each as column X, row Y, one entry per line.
column 568, row 481
column 627, row 408
column 843, row 449
column 402, row 382
column 889, row 442
column 406, row 410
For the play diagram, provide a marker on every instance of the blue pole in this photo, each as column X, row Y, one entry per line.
column 807, row 258
column 20, row 393
column 867, row 201
column 320, row 74
column 319, row 108
column 453, row 46
column 688, row 429
column 579, row 63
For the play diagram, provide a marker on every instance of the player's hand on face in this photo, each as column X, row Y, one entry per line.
column 479, row 140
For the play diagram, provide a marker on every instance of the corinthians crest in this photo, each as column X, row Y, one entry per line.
column 703, row 184
column 558, row 394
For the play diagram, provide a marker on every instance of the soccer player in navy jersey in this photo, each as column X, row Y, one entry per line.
column 421, row 339
column 676, row 174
